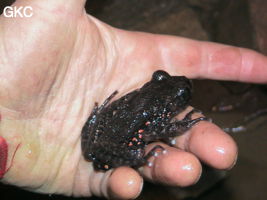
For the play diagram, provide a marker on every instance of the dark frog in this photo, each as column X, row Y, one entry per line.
column 117, row 133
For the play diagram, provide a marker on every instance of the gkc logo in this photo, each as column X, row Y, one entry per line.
column 21, row 11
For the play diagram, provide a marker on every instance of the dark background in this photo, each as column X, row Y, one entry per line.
column 241, row 23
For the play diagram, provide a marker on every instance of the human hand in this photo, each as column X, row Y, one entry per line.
column 56, row 64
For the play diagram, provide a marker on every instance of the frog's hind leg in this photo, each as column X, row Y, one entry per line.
column 107, row 100
column 93, row 116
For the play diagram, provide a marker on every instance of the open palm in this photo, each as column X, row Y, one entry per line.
column 58, row 63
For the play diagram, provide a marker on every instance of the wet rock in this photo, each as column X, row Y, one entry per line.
column 156, row 16
column 258, row 18
column 243, row 23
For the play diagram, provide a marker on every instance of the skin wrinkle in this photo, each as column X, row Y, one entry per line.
column 42, row 159
column 30, row 171
column 109, row 50
column 246, row 67
column 75, row 166
column 189, row 54
column 102, row 50
column 260, row 77
column 205, row 65
column 239, row 63
column 66, row 161
column 66, row 78
column 193, row 58
column 58, row 175
column 35, row 169
column 114, row 52
column 52, row 179
column 243, row 68
column 164, row 54
column 4, row 58
column 85, row 188
column 164, row 51
column 89, row 80
column 105, row 34
column 232, row 56
column 95, row 183
column 103, row 184
column 76, row 169
column 225, row 69
column 45, row 161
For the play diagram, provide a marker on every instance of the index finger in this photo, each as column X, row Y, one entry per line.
column 198, row 59
column 195, row 59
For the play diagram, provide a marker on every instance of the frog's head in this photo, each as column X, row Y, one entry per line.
column 183, row 88
column 177, row 89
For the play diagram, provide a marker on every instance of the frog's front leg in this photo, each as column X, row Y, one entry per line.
column 176, row 128
column 103, row 105
column 87, row 129
column 179, row 127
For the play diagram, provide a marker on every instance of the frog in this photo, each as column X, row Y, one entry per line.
column 118, row 131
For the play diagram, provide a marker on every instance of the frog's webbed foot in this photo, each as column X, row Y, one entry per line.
column 154, row 152
column 178, row 127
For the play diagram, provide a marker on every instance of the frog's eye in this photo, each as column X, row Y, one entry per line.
column 160, row 75
column 184, row 93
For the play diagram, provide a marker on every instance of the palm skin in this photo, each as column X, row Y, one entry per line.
column 57, row 64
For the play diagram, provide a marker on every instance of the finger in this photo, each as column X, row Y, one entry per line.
column 210, row 144
column 120, row 183
column 195, row 59
column 125, row 183
column 217, row 61
column 175, row 167
column 58, row 6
